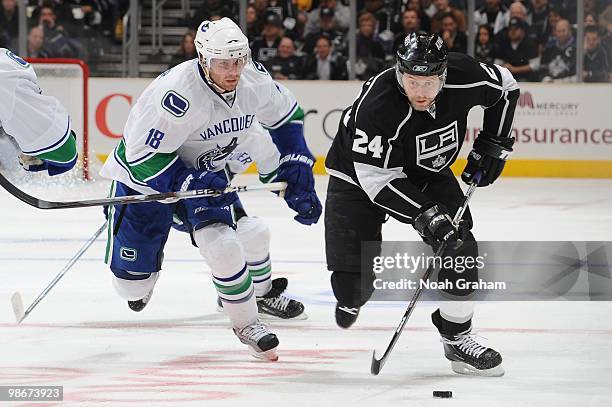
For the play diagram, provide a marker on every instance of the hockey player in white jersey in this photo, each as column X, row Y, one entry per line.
column 179, row 136
column 38, row 123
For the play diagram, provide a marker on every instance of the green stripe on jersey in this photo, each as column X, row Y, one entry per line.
column 265, row 178
column 62, row 154
column 297, row 115
column 261, row 271
column 149, row 168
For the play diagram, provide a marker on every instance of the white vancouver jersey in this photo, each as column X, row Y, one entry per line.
column 181, row 116
column 38, row 123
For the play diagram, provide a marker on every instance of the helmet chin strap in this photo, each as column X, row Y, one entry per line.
column 209, row 79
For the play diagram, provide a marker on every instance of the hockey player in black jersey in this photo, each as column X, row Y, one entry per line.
column 391, row 157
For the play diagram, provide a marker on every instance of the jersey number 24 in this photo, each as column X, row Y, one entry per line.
column 362, row 144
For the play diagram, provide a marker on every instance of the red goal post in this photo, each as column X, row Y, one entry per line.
column 67, row 80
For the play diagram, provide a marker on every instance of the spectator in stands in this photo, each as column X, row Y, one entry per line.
column 597, row 64
column 554, row 16
column 484, row 51
column 424, row 19
column 370, row 52
column 57, row 42
column 186, row 50
column 590, row 20
column 455, row 40
column 288, row 13
column 443, row 8
column 341, row 12
column 285, row 65
column 9, row 25
column 209, row 8
column 266, row 46
column 327, row 26
column 539, row 20
column 518, row 53
column 382, row 11
column 35, row 43
column 494, row 14
column 325, row 65
column 410, row 24
column 519, row 11
column 559, row 58
column 605, row 21
column 253, row 24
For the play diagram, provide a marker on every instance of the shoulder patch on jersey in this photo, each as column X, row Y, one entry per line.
column 259, row 67
column 175, row 104
column 17, row 59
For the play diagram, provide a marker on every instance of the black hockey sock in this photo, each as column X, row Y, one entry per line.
column 448, row 328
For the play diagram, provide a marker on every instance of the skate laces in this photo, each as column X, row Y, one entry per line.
column 279, row 302
column 466, row 343
column 348, row 310
column 255, row 331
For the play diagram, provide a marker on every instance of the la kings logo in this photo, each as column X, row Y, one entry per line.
column 437, row 148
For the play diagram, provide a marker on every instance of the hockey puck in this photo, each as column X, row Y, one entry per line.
column 443, row 394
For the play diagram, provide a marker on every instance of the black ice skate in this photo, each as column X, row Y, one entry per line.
column 346, row 316
column 275, row 305
column 467, row 356
column 139, row 305
column 261, row 342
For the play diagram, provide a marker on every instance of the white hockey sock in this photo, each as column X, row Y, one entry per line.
column 457, row 311
column 261, row 273
column 223, row 252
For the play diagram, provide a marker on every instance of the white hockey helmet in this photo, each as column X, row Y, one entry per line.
column 221, row 39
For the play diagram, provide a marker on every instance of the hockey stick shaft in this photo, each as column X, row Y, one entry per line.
column 16, row 297
column 132, row 199
column 377, row 364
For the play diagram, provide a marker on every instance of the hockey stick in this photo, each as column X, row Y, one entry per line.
column 377, row 364
column 16, row 300
column 132, row 199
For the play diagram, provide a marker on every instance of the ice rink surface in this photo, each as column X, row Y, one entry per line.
column 180, row 352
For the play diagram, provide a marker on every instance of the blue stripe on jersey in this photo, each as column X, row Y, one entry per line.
column 54, row 145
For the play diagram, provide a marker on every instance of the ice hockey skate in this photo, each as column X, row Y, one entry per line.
column 275, row 305
column 261, row 342
column 139, row 305
column 346, row 316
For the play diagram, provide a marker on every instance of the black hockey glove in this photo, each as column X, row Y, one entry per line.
column 488, row 156
column 435, row 225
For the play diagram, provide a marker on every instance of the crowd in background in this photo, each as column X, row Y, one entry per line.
column 307, row 39
column 61, row 28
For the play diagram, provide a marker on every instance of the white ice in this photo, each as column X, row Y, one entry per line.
column 180, row 352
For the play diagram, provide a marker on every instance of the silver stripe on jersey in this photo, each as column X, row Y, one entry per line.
column 400, row 193
column 368, row 91
column 373, row 179
column 340, row 175
column 397, row 132
column 474, row 85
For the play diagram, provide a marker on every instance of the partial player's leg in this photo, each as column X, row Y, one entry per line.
column 350, row 218
column 454, row 317
column 136, row 238
column 215, row 235
column 255, row 238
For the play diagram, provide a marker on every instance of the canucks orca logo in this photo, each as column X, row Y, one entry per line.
column 259, row 67
column 210, row 159
column 175, row 104
column 17, row 59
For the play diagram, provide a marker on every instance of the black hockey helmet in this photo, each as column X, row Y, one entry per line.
column 422, row 54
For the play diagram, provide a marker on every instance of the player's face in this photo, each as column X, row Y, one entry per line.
column 225, row 73
column 421, row 90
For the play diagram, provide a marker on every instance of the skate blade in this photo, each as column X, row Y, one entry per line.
column 269, row 355
column 268, row 317
column 469, row 370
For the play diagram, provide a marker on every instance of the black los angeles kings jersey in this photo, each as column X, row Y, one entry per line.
column 390, row 150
